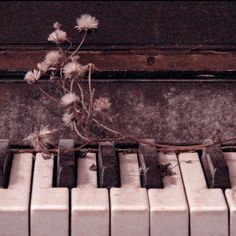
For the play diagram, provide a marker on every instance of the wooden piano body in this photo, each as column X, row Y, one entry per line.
column 169, row 70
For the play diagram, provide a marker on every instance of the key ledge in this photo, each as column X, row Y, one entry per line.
column 209, row 209
column 231, row 199
column 91, row 208
column 130, row 208
column 169, row 208
column 14, row 209
column 38, row 207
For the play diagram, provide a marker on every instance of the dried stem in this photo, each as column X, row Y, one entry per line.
column 49, row 96
column 81, row 43
column 72, row 85
column 79, row 134
column 82, row 97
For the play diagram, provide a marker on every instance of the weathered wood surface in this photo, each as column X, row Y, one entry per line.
column 23, row 58
column 169, row 112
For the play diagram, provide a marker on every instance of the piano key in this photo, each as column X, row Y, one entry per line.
column 168, row 206
column 66, row 165
column 5, row 162
column 230, row 193
column 108, row 166
column 14, row 201
column 90, row 205
column 208, row 209
column 215, row 167
column 129, row 204
column 149, row 162
column 49, row 206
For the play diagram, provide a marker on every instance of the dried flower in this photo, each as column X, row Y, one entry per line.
column 41, row 139
column 52, row 57
column 43, row 66
column 101, row 104
column 57, row 25
column 67, row 118
column 57, row 36
column 86, row 22
column 32, row 76
column 74, row 69
column 69, row 98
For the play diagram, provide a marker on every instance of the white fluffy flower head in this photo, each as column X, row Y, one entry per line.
column 86, row 22
column 57, row 25
column 41, row 139
column 43, row 66
column 32, row 76
column 68, row 99
column 52, row 57
column 67, row 119
column 101, row 104
column 57, row 36
column 74, row 69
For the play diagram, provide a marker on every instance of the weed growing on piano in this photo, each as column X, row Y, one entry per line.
column 88, row 116
column 41, row 139
column 85, row 114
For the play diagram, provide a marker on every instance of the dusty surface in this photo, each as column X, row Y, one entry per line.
column 172, row 112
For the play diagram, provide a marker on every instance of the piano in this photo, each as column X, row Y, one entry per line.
column 172, row 81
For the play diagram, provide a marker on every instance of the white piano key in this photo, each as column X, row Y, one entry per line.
column 129, row 204
column 208, row 209
column 168, row 206
column 230, row 194
column 90, row 205
column 49, row 206
column 14, row 201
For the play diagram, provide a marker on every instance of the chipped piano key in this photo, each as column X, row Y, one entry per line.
column 151, row 170
column 5, row 162
column 89, row 204
column 215, row 167
column 207, row 207
column 66, row 164
column 108, row 167
column 129, row 203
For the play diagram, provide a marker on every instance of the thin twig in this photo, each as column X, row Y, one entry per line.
column 52, row 98
column 82, row 97
column 72, row 85
column 77, row 131
column 77, row 49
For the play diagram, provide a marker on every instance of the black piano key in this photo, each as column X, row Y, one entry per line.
column 215, row 167
column 151, row 171
column 5, row 162
column 108, row 167
column 66, row 165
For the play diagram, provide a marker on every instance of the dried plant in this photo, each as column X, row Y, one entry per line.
column 82, row 112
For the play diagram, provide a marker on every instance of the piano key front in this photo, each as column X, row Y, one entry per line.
column 184, row 206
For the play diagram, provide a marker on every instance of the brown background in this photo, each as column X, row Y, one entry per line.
column 122, row 22
column 146, row 36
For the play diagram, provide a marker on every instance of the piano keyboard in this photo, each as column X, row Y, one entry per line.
column 32, row 206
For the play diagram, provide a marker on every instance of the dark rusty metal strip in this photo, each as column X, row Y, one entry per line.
column 215, row 167
column 151, row 171
column 66, row 165
column 5, row 162
column 108, row 167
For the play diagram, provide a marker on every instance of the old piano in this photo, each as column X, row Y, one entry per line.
column 169, row 69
